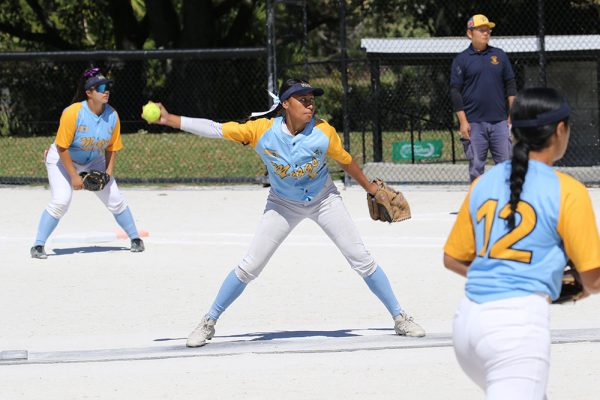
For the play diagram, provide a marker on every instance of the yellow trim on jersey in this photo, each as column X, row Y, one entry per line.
column 66, row 128
column 461, row 241
column 577, row 224
column 335, row 150
column 115, row 143
column 247, row 133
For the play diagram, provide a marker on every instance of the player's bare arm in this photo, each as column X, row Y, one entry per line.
column 110, row 157
column 357, row 174
column 591, row 280
column 454, row 265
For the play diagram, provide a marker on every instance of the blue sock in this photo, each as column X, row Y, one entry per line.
column 125, row 221
column 230, row 290
column 379, row 284
column 45, row 228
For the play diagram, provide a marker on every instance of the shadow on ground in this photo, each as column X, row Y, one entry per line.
column 262, row 336
column 85, row 250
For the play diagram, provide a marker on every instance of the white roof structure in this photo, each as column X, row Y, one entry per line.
column 453, row 45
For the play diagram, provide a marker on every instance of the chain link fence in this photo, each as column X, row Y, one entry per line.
column 223, row 85
column 398, row 122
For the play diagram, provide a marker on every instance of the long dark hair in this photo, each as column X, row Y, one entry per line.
column 80, row 94
column 284, row 86
column 529, row 104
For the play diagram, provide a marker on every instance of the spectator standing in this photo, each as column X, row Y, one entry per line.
column 482, row 89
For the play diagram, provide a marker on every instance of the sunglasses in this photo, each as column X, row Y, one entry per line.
column 103, row 88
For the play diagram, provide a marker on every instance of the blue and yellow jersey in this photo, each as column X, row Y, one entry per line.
column 296, row 164
column 86, row 134
column 555, row 222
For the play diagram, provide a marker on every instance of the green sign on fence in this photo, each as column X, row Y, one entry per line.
column 424, row 149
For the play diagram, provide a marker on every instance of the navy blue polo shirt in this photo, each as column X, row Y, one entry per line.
column 482, row 77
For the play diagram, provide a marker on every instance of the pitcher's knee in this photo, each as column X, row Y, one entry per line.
column 249, row 269
column 365, row 269
column 243, row 275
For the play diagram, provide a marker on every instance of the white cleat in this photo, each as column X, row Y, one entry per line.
column 203, row 332
column 404, row 325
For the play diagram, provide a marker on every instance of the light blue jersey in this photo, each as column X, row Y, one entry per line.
column 297, row 164
column 88, row 135
column 552, row 224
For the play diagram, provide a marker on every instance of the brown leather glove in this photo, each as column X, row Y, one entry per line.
column 387, row 204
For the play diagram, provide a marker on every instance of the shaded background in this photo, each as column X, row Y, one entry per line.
column 214, row 59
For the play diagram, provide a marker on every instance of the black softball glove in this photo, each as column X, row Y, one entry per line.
column 94, row 180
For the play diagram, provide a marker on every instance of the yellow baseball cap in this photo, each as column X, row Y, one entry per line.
column 479, row 20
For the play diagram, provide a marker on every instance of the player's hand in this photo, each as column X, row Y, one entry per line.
column 76, row 182
column 373, row 188
column 465, row 130
column 164, row 115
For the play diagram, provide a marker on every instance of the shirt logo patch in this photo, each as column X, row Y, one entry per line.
column 271, row 153
column 494, row 60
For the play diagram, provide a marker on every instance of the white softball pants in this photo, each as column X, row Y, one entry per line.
column 282, row 215
column 62, row 191
column 504, row 346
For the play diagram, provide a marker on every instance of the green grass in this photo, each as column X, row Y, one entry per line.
column 181, row 155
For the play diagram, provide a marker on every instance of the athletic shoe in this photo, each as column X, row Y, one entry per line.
column 38, row 252
column 203, row 332
column 137, row 245
column 405, row 325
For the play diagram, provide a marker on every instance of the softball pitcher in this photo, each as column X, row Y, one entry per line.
column 293, row 147
column 88, row 138
column 517, row 228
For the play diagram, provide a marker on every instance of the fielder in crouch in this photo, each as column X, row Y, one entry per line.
column 88, row 138
column 293, row 147
column 519, row 225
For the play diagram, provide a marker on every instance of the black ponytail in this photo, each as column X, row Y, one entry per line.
column 519, row 165
column 80, row 94
column 528, row 105
column 284, row 86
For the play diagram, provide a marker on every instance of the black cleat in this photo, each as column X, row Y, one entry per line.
column 38, row 252
column 137, row 245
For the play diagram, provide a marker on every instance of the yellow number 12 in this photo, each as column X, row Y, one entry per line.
column 502, row 248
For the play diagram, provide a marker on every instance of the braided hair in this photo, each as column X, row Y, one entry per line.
column 529, row 104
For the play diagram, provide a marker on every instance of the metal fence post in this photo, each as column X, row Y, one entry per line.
column 271, row 57
column 542, row 42
column 344, row 70
column 375, row 89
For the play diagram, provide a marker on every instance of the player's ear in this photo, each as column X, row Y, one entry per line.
column 285, row 104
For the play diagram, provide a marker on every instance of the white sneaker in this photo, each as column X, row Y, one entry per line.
column 203, row 332
column 404, row 325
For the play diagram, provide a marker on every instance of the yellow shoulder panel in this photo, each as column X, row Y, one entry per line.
column 335, row 150
column 116, row 143
column 461, row 241
column 66, row 128
column 577, row 224
column 247, row 133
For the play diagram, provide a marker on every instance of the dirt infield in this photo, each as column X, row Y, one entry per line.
column 100, row 322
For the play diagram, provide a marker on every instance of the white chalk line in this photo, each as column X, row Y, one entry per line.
column 303, row 345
